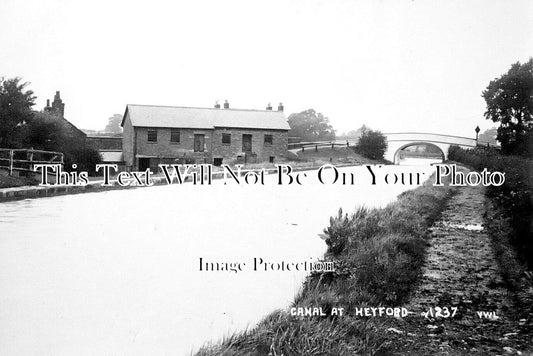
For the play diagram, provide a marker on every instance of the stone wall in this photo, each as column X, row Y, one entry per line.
column 163, row 148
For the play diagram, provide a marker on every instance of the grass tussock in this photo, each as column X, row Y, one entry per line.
column 281, row 334
column 378, row 255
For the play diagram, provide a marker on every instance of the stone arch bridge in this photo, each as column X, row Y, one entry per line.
column 400, row 140
column 396, row 142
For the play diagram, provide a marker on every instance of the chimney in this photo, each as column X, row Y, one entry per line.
column 280, row 107
column 269, row 107
column 226, row 105
column 47, row 103
column 217, row 105
column 58, row 107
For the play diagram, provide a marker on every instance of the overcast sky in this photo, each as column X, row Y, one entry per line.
column 392, row 65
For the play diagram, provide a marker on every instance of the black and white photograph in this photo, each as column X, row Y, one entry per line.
column 266, row 178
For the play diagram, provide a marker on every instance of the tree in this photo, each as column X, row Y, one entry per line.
column 372, row 144
column 15, row 110
column 113, row 125
column 355, row 134
column 311, row 126
column 509, row 101
column 489, row 136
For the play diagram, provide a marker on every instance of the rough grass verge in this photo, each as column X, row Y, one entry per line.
column 15, row 181
column 515, row 273
column 378, row 257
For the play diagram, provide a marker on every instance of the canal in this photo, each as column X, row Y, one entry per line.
column 117, row 272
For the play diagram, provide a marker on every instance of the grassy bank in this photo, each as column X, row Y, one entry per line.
column 378, row 255
column 8, row 182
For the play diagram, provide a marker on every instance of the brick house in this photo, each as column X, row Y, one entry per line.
column 169, row 134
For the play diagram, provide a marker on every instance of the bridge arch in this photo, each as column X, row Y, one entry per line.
column 443, row 150
column 400, row 140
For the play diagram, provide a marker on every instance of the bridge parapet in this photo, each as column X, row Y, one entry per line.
column 431, row 137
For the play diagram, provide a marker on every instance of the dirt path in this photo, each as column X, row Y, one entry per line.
column 461, row 277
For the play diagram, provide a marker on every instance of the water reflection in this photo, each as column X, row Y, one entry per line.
column 419, row 161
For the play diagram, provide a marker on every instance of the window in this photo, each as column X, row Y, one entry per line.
column 217, row 161
column 199, row 141
column 247, row 143
column 175, row 136
column 152, row 135
column 268, row 140
column 226, row 138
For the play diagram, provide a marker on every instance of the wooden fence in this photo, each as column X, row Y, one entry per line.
column 315, row 145
column 23, row 160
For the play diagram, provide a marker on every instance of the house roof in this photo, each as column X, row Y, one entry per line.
column 204, row 118
column 66, row 122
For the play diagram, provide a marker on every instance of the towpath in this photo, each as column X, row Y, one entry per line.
column 460, row 278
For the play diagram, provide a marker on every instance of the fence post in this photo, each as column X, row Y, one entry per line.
column 10, row 162
column 30, row 156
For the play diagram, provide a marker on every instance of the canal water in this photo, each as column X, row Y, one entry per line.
column 117, row 272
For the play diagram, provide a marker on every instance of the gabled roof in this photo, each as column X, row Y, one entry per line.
column 74, row 127
column 204, row 118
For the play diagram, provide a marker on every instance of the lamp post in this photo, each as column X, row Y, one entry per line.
column 477, row 133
